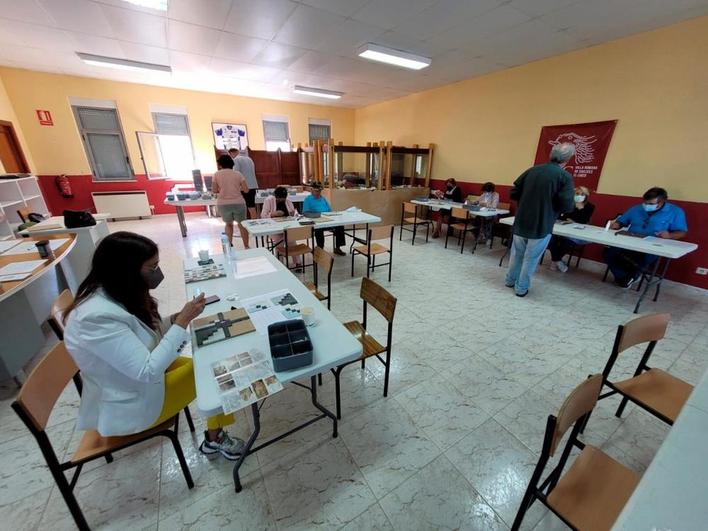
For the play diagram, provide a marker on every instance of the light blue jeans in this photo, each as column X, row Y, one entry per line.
column 525, row 255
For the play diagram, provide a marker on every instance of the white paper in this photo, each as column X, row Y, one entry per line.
column 17, row 268
column 30, row 247
column 8, row 244
column 252, row 267
column 270, row 308
column 14, row 278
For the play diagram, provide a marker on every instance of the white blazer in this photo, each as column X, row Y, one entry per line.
column 122, row 363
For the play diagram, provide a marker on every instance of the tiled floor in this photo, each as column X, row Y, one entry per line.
column 476, row 371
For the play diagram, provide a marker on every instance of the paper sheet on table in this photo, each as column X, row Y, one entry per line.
column 252, row 267
column 14, row 278
column 30, row 247
column 270, row 308
column 8, row 244
column 17, row 268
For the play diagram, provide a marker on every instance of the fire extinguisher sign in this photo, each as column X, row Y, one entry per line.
column 44, row 117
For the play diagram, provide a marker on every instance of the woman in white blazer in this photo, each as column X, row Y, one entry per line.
column 129, row 357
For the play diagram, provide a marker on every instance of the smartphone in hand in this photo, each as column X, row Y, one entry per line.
column 211, row 299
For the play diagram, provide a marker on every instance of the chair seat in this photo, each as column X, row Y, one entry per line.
column 593, row 492
column 414, row 221
column 93, row 444
column 313, row 289
column 658, row 390
column 297, row 249
column 370, row 345
column 459, row 226
column 375, row 249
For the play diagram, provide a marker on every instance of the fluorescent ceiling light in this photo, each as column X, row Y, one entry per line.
column 121, row 64
column 319, row 93
column 382, row 54
column 160, row 5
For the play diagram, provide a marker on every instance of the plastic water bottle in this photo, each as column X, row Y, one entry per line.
column 225, row 245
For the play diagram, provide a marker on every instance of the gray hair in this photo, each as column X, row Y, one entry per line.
column 562, row 152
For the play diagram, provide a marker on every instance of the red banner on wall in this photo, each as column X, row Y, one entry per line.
column 591, row 141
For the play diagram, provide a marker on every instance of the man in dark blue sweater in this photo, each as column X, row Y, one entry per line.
column 543, row 193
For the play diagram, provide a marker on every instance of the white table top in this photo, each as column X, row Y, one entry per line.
column 437, row 204
column 257, row 227
column 295, row 198
column 649, row 245
column 333, row 344
column 672, row 491
column 48, row 226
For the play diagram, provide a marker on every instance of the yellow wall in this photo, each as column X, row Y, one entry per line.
column 58, row 149
column 487, row 128
column 7, row 113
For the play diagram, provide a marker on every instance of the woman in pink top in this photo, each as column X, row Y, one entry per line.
column 228, row 185
column 276, row 206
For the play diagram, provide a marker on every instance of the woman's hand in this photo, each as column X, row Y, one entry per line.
column 190, row 310
column 277, row 214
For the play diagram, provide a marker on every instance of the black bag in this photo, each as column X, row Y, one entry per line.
column 78, row 218
column 34, row 217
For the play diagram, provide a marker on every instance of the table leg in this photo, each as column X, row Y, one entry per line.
column 256, row 413
column 648, row 285
column 661, row 278
column 327, row 412
column 182, row 222
column 506, row 252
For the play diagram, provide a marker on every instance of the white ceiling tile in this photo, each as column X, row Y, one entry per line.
column 429, row 22
column 192, row 39
column 134, row 26
column 261, row 18
column 239, row 47
column 405, row 42
column 308, row 27
column 345, row 8
column 21, row 33
column 387, row 13
column 240, row 70
column 211, row 13
column 97, row 45
column 186, row 63
column 146, row 54
column 537, row 8
column 345, row 38
column 26, row 11
column 278, row 55
column 79, row 15
column 311, row 62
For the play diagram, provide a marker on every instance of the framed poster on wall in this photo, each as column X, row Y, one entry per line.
column 227, row 136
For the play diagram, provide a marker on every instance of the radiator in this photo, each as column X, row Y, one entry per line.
column 120, row 205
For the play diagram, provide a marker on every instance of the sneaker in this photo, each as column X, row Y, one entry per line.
column 630, row 282
column 522, row 294
column 562, row 266
column 230, row 448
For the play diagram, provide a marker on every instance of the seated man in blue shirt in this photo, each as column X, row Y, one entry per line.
column 316, row 203
column 654, row 217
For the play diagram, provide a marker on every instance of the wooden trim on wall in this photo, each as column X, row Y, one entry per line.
column 17, row 146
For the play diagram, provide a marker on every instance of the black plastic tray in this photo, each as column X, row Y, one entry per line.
column 290, row 345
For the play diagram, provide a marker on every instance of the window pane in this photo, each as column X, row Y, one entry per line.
column 170, row 124
column 319, row 132
column 177, row 156
column 98, row 119
column 276, row 131
column 108, row 154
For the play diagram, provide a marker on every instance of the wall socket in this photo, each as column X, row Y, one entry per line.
column 702, row 271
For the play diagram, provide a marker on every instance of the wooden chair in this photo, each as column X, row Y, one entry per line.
column 372, row 249
column 654, row 390
column 591, row 495
column 409, row 216
column 24, row 213
column 34, row 405
column 460, row 222
column 291, row 246
column 385, row 304
column 322, row 259
column 504, row 232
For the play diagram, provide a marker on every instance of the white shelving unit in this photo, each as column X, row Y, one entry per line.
column 16, row 194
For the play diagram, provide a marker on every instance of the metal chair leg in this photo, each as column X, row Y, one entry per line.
column 621, row 407
column 388, row 367
column 188, row 415
column 180, row 457
column 319, row 379
column 337, row 391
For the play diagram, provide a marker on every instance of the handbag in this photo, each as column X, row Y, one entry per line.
column 74, row 219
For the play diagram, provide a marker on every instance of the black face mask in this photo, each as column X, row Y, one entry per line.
column 154, row 277
column 449, row 187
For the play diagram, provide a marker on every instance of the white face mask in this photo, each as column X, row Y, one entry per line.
column 579, row 198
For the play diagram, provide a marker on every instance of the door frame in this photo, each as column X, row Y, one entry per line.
column 18, row 146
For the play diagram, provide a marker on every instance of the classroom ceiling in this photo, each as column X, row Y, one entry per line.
column 263, row 48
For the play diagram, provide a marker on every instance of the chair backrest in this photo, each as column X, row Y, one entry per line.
column 504, row 206
column 409, row 208
column 56, row 313
column 579, row 403
column 45, row 384
column 384, row 232
column 24, row 213
column 642, row 330
column 324, row 260
column 379, row 298
column 460, row 213
column 298, row 233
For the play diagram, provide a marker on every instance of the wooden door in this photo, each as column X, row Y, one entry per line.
column 11, row 155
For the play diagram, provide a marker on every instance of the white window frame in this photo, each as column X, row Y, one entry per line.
column 274, row 145
column 321, row 122
column 163, row 142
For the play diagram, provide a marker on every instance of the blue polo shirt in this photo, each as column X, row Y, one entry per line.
column 670, row 218
column 316, row 205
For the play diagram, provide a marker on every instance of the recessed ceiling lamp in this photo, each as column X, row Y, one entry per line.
column 318, row 93
column 160, row 5
column 382, row 54
column 121, row 64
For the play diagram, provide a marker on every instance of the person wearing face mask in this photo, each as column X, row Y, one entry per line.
column 129, row 356
column 489, row 198
column 451, row 193
column 653, row 217
column 276, row 206
column 560, row 245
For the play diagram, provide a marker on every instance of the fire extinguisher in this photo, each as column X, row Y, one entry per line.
column 62, row 182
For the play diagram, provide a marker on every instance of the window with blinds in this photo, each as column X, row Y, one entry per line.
column 174, row 144
column 104, row 143
column 319, row 132
column 276, row 135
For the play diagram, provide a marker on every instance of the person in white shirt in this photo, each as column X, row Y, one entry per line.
column 244, row 164
column 129, row 357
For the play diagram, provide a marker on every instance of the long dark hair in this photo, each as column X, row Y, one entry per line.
column 116, row 267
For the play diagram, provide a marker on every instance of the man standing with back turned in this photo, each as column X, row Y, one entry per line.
column 244, row 164
column 543, row 192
